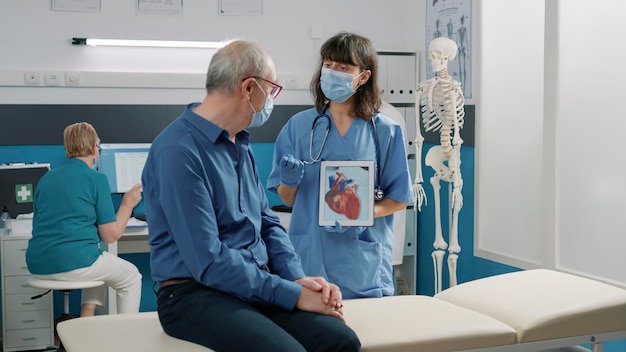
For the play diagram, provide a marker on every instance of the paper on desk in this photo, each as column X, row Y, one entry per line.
column 133, row 222
column 20, row 226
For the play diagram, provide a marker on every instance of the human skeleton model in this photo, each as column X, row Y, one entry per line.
column 441, row 102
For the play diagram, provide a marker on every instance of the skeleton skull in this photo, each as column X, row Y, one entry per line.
column 441, row 50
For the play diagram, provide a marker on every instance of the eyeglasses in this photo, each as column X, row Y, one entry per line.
column 275, row 87
column 99, row 149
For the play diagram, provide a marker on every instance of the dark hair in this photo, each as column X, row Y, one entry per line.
column 352, row 49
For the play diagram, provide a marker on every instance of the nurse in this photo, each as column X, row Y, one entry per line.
column 345, row 124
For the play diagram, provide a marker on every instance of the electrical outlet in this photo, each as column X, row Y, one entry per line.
column 32, row 78
column 316, row 31
column 72, row 78
column 53, row 78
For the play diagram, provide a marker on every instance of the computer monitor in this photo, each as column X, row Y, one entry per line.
column 17, row 187
column 123, row 163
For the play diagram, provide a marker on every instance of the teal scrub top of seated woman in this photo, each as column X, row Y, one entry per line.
column 69, row 202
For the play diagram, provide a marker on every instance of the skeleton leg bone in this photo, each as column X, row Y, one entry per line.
column 454, row 233
column 452, row 261
column 437, row 264
column 439, row 243
column 457, row 204
column 435, row 159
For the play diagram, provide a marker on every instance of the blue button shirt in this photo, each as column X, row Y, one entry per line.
column 209, row 218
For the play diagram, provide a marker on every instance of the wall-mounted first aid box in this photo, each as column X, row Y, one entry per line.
column 17, row 187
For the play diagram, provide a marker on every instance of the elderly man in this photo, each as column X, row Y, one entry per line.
column 229, row 278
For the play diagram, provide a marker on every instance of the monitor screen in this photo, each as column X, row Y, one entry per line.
column 17, row 187
column 123, row 163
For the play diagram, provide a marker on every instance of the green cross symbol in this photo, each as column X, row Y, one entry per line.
column 24, row 193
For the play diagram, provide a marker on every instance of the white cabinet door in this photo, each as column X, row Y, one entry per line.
column 398, row 77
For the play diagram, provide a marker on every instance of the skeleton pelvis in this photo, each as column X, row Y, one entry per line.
column 437, row 159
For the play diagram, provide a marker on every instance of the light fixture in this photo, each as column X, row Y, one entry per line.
column 148, row 43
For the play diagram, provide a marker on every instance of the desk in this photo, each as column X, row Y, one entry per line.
column 135, row 239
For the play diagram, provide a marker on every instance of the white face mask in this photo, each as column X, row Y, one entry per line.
column 260, row 117
column 337, row 86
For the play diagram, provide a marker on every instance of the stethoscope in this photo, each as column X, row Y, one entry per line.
column 379, row 194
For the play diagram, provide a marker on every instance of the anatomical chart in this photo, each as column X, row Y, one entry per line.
column 452, row 19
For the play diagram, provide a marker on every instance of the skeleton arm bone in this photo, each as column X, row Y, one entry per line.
column 457, row 196
column 457, row 102
column 433, row 83
column 457, row 180
column 418, row 188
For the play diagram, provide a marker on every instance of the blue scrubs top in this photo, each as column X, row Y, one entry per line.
column 209, row 218
column 359, row 263
column 69, row 202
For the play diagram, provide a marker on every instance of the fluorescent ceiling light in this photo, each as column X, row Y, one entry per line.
column 147, row 43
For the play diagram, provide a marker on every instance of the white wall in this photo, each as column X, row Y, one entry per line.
column 590, row 119
column 549, row 155
column 36, row 38
column 509, row 119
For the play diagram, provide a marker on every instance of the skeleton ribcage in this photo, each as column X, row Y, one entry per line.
column 435, row 98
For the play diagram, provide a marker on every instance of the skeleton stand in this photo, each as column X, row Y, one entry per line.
column 441, row 104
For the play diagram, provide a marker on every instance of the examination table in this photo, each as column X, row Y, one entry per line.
column 530, row 310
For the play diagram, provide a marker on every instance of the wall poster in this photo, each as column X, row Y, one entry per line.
column 452, row 19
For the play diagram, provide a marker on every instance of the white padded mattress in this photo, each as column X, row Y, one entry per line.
column 422, row 323
column 544, row 304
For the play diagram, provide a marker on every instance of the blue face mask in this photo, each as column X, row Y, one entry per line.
column 260, row 117
column 337, row 86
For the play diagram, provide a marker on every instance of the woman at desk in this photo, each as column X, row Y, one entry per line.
column 73, row 212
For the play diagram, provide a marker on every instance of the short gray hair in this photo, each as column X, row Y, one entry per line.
column 235, row 62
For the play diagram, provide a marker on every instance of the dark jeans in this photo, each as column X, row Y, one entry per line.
column 196, row 313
